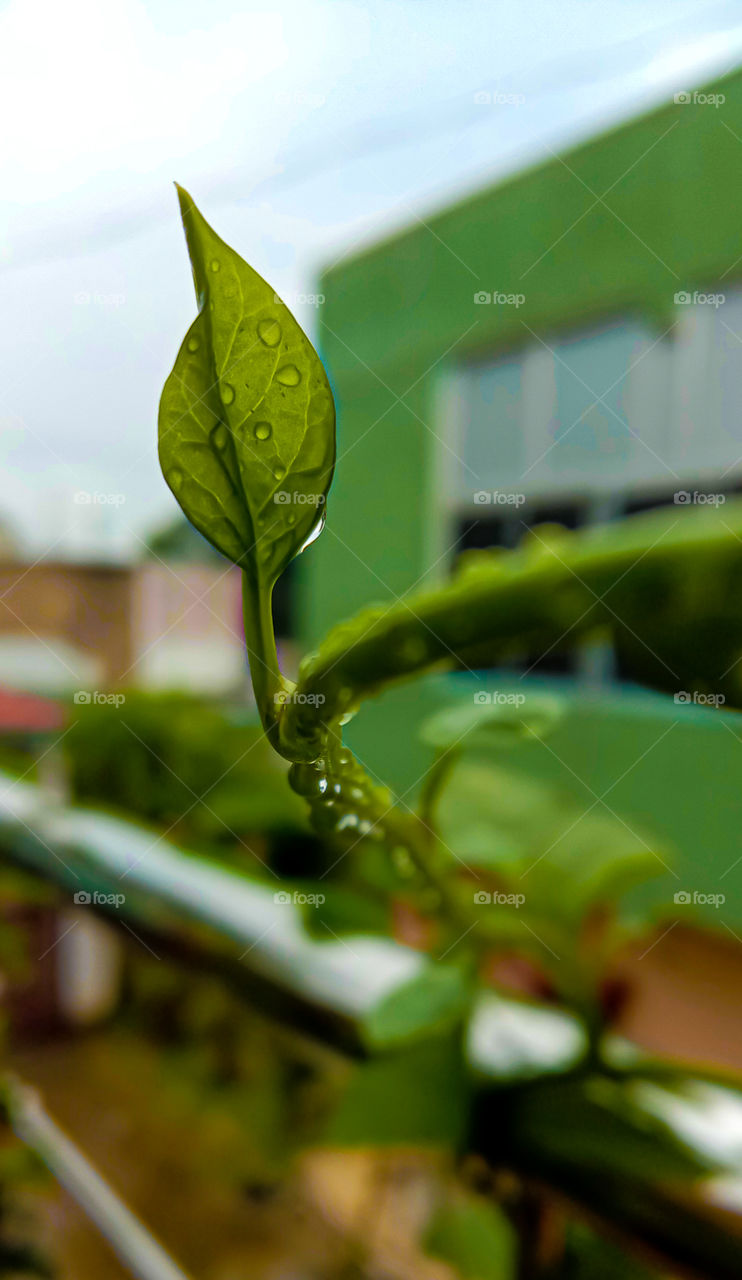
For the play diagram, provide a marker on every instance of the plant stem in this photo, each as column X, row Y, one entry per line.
column 260, row 641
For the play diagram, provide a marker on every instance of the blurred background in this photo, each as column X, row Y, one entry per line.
column 512, row 232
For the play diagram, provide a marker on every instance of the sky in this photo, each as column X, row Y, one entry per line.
column 304, row 131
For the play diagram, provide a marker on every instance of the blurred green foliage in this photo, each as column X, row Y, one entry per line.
column 186, row 766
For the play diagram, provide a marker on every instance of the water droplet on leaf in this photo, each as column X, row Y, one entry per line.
column 313, row 536
column 263, row 430
column 220, row 435
column 215, row 264
column 175, row 479
column 227, row 393
column 193, row 344
column 269, row 332
column 289, row 376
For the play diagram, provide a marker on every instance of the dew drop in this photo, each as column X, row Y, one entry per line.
column 289, row 376
column 215, row 264
column 291, row 519
column 263, row 431
column 279, row 472
column 220, row 435
column 269, row 332
column 193, row 343
column 175, row 479
column 313, row 536
column 307, row 780
column 227, row 393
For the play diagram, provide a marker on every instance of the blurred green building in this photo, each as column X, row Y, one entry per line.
column 563, row 345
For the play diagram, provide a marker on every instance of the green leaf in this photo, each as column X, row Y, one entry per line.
column 435, row 1000
column 562, row 855
column 588, row 1255
column 419, row 1096
column 491, row 817
column 345, row 911
column 664, row 579
column 499, row 723
column 598, row 1126
column 197, row 454
column 247, row 419
column 475, row 1238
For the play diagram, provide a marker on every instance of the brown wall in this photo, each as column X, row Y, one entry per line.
column 684, row 997
column 86, row 605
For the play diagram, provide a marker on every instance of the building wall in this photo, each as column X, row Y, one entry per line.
column 186, row 625
column 72, row 619
column 611, row 231
column 68, row 627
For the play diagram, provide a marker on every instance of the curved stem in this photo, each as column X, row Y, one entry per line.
column 435, row 777
column 268, row 683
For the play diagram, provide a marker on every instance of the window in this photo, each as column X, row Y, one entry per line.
column 591, row 425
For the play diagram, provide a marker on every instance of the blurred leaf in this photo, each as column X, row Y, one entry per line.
column 499, row 724
column 563, row 857
column 598, row 1126
column 668, row 581
column 154, row 755
column 435, row 1000
column 588, row 1255
column 419, row 1096
column 344, row 911
column 597, row 1142
column 489, row 817
column 475, row 1238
